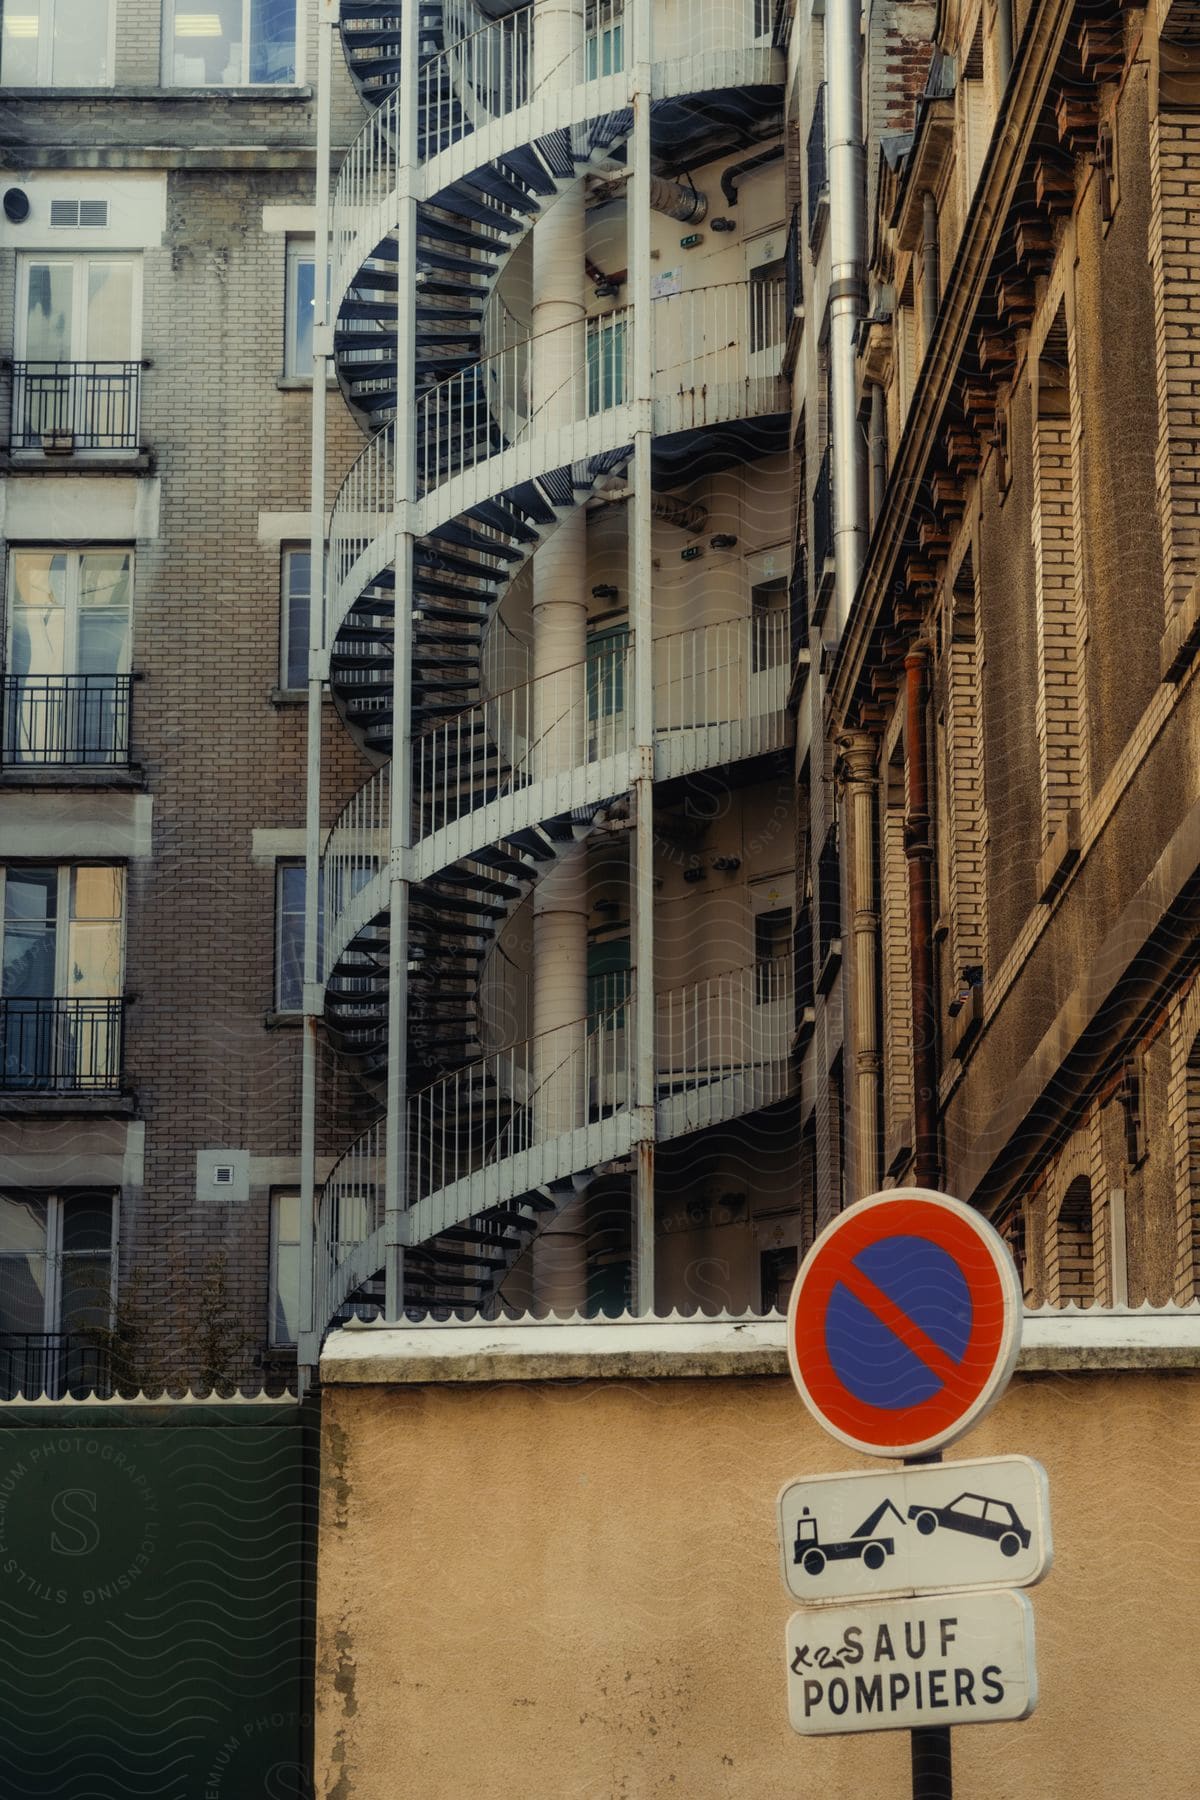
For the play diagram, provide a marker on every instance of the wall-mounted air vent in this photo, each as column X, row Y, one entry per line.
column 72, row 214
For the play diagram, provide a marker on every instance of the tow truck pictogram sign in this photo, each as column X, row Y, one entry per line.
column 945, row 1527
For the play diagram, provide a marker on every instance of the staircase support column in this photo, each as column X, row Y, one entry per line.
column 309, row 1327
column 641, row 574
column 557, row 368
column 405, row 468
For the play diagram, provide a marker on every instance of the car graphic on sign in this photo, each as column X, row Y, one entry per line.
column 978, row 1516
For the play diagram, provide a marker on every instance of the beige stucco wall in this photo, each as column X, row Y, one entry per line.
column 571, row 1591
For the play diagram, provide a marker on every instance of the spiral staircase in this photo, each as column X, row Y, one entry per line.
column 503, row 787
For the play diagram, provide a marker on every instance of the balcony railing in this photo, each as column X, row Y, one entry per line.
column 818, row 168
column 822, row 532
column 53, row 1046
column 61, row 407
column 59, row 720
column 53, row 1363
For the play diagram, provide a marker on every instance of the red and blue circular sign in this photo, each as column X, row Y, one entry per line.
column 904, row 1322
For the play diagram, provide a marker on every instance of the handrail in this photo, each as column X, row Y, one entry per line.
column 552, row 378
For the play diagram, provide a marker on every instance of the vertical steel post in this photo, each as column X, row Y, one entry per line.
column 641, row 618
column 405, row 495
column 932, row 1762
column 309, row 1328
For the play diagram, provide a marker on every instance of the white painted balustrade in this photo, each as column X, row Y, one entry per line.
column 544, row 734
column 357, row 849
column 363, row 508
column 720, row 693
column 487, row 408
column 514, row 1104
column 717, row 353
column 491, row 1132
column 349, row 1225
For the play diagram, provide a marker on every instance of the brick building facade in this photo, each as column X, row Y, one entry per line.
column 1024, row 634
column 155, row 272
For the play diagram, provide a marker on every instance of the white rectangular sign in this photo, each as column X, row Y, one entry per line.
column 904, row 1663
column 936, row 1529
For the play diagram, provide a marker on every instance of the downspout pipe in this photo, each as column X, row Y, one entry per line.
column 847, row 241
column 1004, row 40
column 930, row 272
column 918, row 850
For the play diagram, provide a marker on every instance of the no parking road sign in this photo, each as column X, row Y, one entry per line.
column 904, row 1323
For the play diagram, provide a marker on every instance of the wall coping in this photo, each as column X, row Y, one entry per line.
column 1092, row 1339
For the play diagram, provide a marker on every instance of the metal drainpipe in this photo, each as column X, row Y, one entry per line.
column 918, row 850
column 860, row 751
column 930, row 273
column 1004, row 40
column 847, row 237
column 878, row 448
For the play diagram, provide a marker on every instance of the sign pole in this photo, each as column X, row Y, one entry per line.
column 932, row 1762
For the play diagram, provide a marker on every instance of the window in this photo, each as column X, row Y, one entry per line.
column 66, row 687
column 57, row 43
column 229, row 43
column 56, row 1291
column 605, row 363
column 605, row 40
column 285, row 1268
column 78, row 338
column 776, row 1275
column 61, row 973
column 289, row 936
column 768, row 298
column 301, row 298
column 1076, row 1249
column 294, row 603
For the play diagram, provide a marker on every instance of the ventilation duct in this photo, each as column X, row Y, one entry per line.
column 686, row 204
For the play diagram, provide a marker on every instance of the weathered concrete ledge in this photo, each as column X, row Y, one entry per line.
column 571, row 1349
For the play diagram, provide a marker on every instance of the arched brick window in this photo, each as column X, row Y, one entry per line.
column 1076, row 1247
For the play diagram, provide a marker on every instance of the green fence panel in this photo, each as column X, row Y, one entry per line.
column 156, row 1600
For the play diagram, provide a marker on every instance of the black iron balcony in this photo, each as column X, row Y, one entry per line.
column 53, row 1363
column 818, row 169
column 52, row 1046
column 791, row 267
column 822, row 531
column 62, row 407
column 59, row 720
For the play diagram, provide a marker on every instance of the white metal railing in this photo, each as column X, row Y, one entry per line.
column 357, row 849
column 518, row 1098
column 719, row 347
column 350, row 1214
column 555, row 378
column 724, row 1029
column 487, row 73
column 720, row 690
column 721, row 1048
column 364, row 503
column 553, row 726
column 365, row 184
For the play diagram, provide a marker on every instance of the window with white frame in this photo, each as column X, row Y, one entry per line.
column 284, row 1317
column 84, row 308
column 295, row 585
column 61, row 974
column 300, row 303
column 229, row 43
column 57, row 1261
column 78, row 348
column 289, row 936
column 57, row 43
column 66, row 689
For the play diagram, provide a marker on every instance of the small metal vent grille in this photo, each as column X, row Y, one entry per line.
column 69, row 213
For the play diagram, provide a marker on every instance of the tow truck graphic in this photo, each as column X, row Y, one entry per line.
column 865, row 1544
